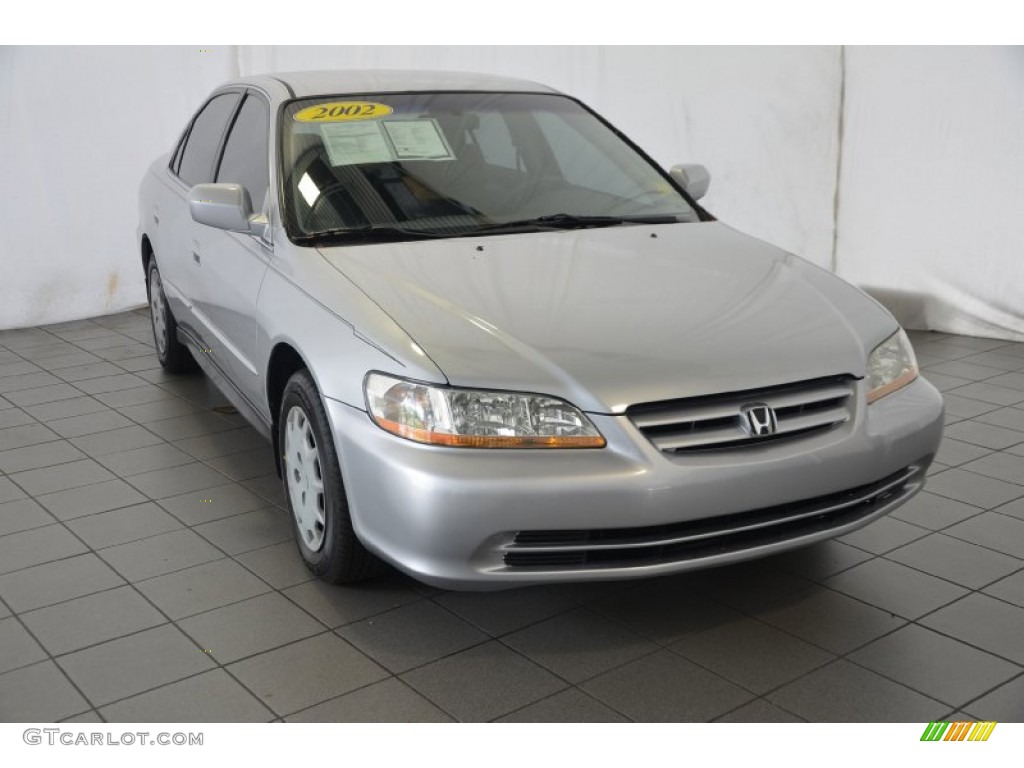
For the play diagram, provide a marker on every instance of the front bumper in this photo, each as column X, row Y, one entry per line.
column 450, row 516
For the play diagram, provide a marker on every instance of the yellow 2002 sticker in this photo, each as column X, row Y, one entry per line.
column 338, row 111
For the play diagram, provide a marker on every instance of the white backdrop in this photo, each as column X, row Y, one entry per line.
column 80, row 125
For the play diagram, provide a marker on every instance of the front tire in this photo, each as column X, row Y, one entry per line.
column 314, row 490
column 174, row 356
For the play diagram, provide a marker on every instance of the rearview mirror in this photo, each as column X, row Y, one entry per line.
column 695, row 179
column 226, row 206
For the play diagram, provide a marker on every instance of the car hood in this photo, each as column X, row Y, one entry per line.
column 615, row 316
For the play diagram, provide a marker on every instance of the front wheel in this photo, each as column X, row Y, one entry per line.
column 172, row 354
column 314, row 490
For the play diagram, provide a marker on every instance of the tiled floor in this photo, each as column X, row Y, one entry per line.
column 147, row 572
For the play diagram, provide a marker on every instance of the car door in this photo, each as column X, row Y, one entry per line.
column 231, row 265
column 175, row 245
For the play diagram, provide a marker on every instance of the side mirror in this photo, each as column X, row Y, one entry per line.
column 226, row 206
column 695, row 179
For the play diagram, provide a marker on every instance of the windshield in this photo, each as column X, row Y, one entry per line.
column 455, row 164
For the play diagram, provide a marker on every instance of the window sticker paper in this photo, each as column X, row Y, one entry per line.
column 355, row 143
column 418, row 139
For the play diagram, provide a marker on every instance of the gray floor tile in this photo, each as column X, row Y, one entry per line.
column 214, row 503
column 38, row 694
column 22, row 515
column 895, row 588
column 245, row 465
column 248, row 531
column 202, row 588
column 29, row 434
column 498, row 613
column 760, row 711
column 956, row 452
column 130, row 665
column 971, row 488
column 158, row 410
column 958, row 561
column 222, row 443
column 56, row 582
column 986, row 435
column 158, row 555
column 173, row 481
column 935, row 665
column 945, row 383
column 9, row 491
column 568, row 706
column 964, row 370
column 966, row 407
column 883, row 535
column 990, row 393
column 147, row 393
column 39, row 545
column 27, row 397
column 336, row 606
column 279, row 565
column 1002, row 466
column 411, row 636
column 985, row 622
column 120, row 526
column 993, row 530
column 17, row 648
column 61, row 477
column 389, row 701
column 18, row 368
column 36, row 456
column 578, row 645
column 75, row 373
column 189, row 425
column 1011, row 380
column 212, row 697
column 104, row 341
column 305, row 673
column 267, row 487
column 1013, row 509
column 68, row 360
column 250, row 627
column 664, row 614
column 14, row 417
column 85, row 717
column 116, row 440
column 91, row 619
column 483, row 682
column 1011, row 418
column 866, row 697
column 664, row 687
column 830, row 620
column 138, row 364
column 11, row 384
column 125, row 351
column 148, row 459
column 743, row 586
column 997, row 359
column 110, row 383
column 1010, row 589
column 90, row 499
column 92, row 423
column 1004, row 705
column 821, row 560
column 934, row 512
column 752, row 654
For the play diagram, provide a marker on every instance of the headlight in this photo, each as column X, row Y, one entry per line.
column 891, row 365
column 470, row 418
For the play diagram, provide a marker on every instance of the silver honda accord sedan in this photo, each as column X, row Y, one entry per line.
column 494, row 344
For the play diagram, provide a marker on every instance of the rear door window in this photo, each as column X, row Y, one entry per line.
column 245, row 152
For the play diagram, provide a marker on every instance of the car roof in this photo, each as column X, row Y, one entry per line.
column 358, row 81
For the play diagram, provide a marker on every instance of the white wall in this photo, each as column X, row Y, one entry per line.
column 931, row 215
column 78, row 128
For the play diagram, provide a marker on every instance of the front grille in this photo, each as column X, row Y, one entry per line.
column 716, row 422
column 698, row 539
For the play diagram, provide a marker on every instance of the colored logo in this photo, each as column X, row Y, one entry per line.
column 958, row 731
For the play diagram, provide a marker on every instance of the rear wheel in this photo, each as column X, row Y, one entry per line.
column 314, row 490
column 172, row 354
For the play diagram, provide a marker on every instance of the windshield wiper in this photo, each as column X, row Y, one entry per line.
column 572, row 221
column 371, row 233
